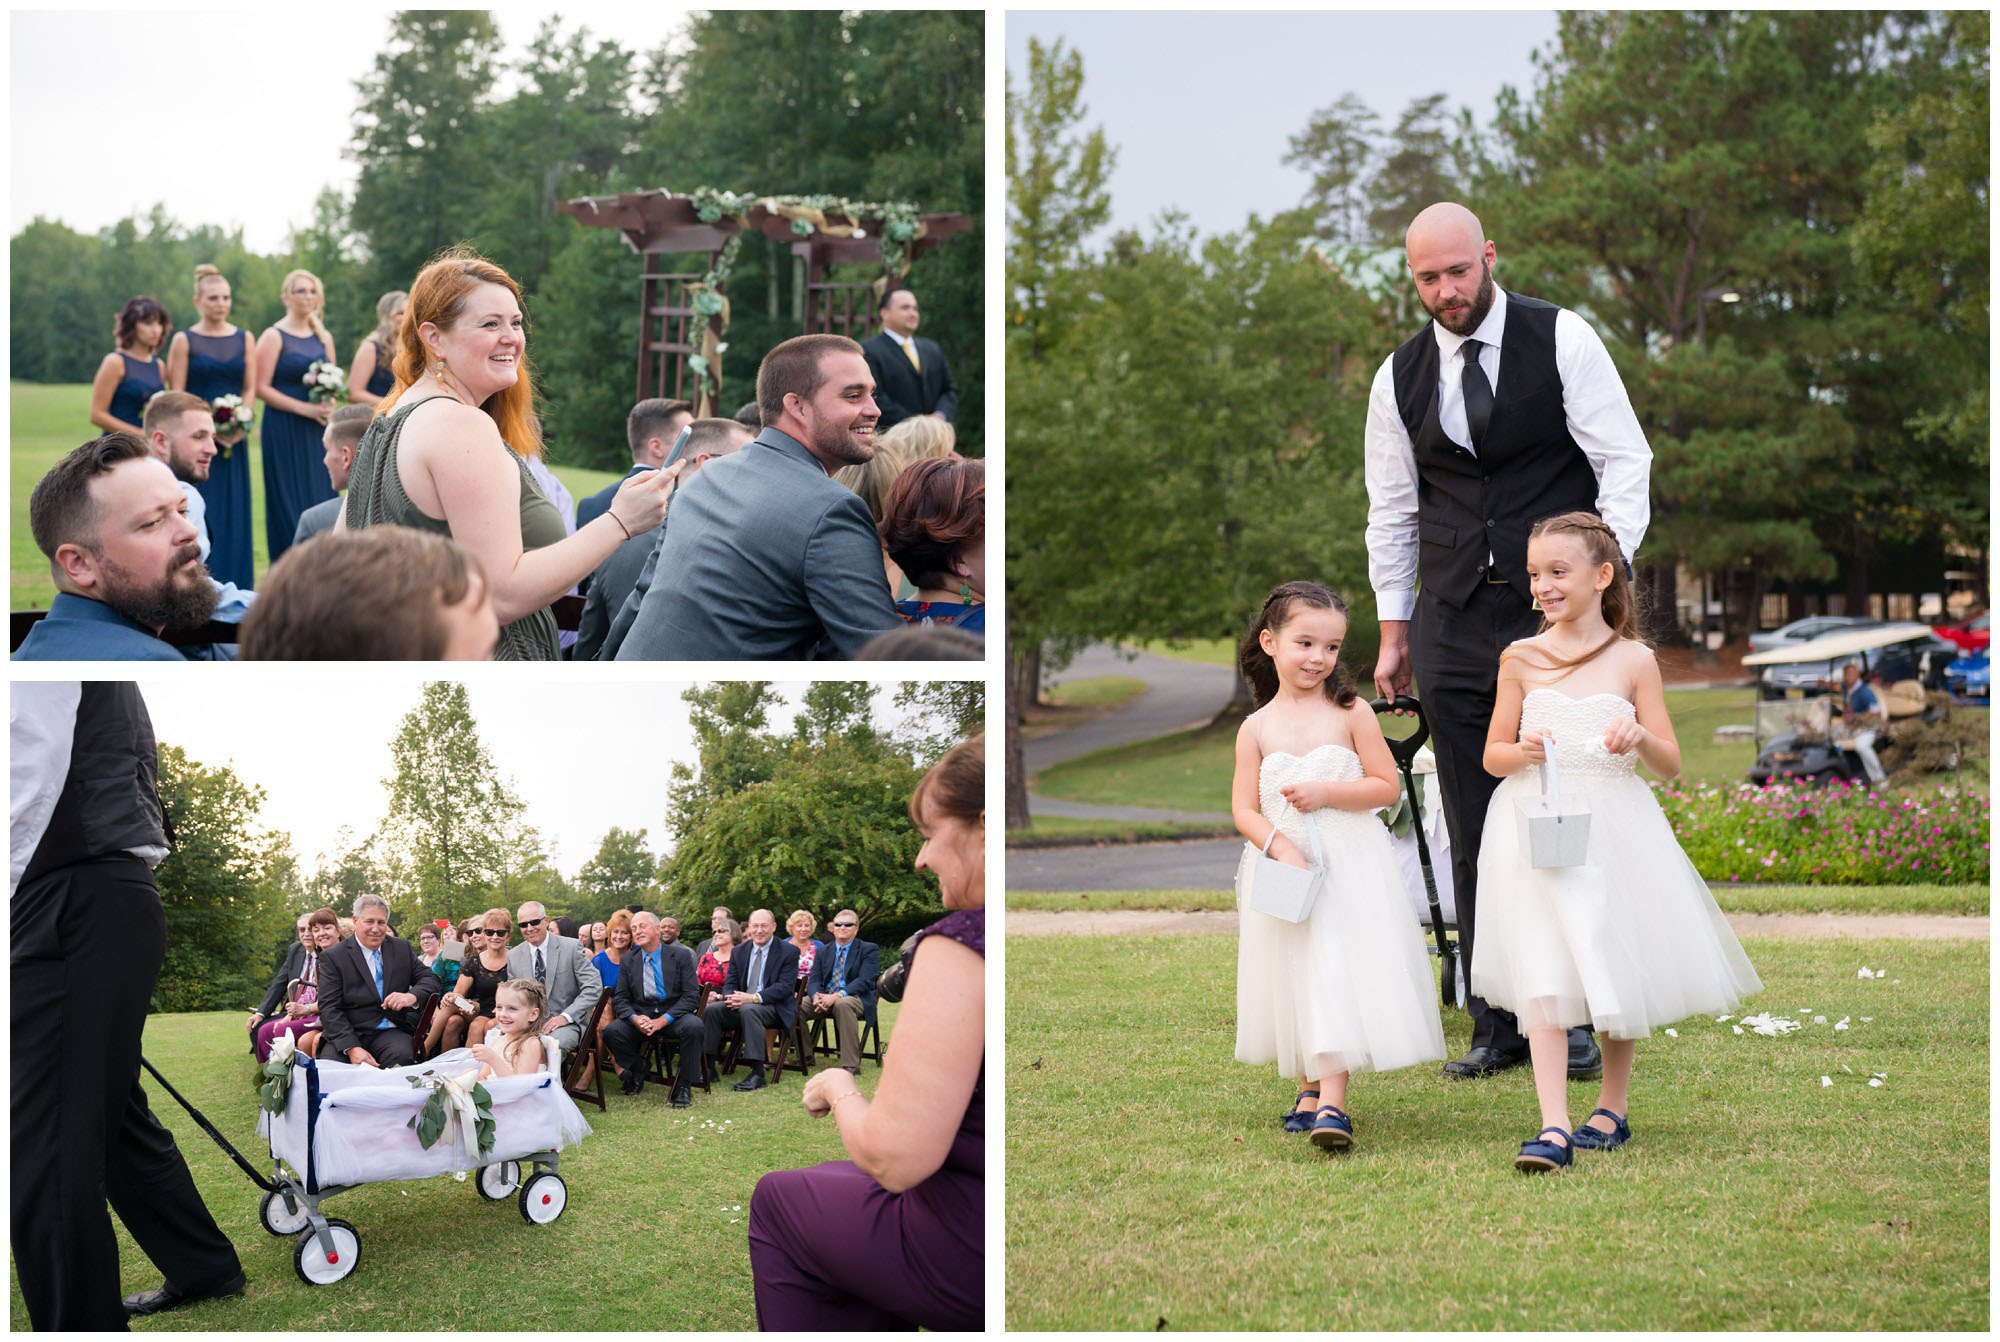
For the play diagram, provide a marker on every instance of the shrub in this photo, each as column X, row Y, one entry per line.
column 1837, row 835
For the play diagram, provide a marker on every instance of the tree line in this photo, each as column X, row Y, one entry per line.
column 1777, row 220
column 869, row 107
column 814, row 817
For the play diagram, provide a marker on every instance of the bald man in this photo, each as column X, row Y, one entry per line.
column 1501, row 411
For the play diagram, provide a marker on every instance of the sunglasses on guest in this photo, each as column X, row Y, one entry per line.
column 840, row 924
column 527, row 923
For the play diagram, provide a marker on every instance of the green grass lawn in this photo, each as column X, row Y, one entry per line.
column 1102, row 692
column 1164, row 1194
column 1955, row 900
column 47, row 420
column 653, row 1237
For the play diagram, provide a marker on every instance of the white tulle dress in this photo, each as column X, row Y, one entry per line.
column 1630, row 941
column 362, row 1132
column 1350, row 989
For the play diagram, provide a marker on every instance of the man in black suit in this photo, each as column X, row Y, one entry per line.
column 760, row 993
column 86, row 940
column 843, row 984
column 656, row 991
column 650, row 429
column 372, row 989
column 294, row 966
column 911, row 377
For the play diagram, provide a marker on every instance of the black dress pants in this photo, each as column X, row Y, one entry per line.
column 685, row 1030
column 87, row 944
column 1456, row 657
column 752, row 1020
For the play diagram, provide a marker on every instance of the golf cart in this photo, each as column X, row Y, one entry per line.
column 1798, row 733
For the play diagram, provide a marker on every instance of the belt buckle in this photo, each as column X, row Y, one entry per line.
column 1493, row 575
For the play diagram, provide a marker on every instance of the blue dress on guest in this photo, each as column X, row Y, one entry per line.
column 295, row 475
column 969, row 617
column 215, row 368
column 607, row 969
column 383, row 380
column 142, row 378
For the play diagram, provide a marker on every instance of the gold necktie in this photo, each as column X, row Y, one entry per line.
column 910, row 348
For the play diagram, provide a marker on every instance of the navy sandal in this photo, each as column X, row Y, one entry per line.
column 1587, row 1138
column 1538, row 1155
column 1297, row 1119
column 1332, row 1130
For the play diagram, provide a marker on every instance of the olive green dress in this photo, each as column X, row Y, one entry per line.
column 375, row 496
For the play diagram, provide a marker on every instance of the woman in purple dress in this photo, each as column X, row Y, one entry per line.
column 213, row 358
column 895, row 1236
column 295, row 476
column 131, row 374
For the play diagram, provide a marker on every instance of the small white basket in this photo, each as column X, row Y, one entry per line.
column 1554, row 829
column 1280, row 889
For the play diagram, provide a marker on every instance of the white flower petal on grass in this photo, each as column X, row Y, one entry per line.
column 1772, row 1026
column 1845, row 1068
column 1825, row 1081
column 1866, row 1019
column 1874, row 1080
column 1865, row 973
column 1736, row 1029
column 1880, row 1076
column 1720, row 1019
column 1673, row 1034
column 1841, row 1024
column 1819, row 1020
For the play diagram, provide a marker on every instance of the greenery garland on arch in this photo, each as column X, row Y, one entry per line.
column 896, row 224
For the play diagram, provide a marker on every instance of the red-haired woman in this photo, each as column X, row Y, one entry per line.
column 449, row 446
column 934, row 528
column 132, row 374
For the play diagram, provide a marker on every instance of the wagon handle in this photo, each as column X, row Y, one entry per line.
column 267, row 1185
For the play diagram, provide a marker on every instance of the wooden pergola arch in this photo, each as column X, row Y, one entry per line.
column 657, row 224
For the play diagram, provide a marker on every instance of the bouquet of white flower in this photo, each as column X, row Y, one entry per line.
column 232, row 422
column 325, row 382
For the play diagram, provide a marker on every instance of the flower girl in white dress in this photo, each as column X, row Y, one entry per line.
column 1631, row 938
column 1350, row 989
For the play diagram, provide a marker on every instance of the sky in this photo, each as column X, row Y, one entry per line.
column 259, row 152
column 319, row 747
column 1201, row 106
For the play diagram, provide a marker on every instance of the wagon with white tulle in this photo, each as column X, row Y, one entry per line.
column 337, row 1126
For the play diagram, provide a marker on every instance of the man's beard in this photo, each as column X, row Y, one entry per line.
column 1466, row 320
column 837, row 444
column 181, row 600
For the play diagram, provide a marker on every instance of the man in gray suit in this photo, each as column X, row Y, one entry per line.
column 563, row 968
column 764, row 555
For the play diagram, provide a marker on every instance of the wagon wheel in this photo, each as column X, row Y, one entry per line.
column 543, row 1199
column 283, row 1213
column 496, row 1182
column 316, row 1265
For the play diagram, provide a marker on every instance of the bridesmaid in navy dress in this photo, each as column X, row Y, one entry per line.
column 895, row 1237
column 295, row 475
column 131, row 374
column 213, row 358
column 372, row 376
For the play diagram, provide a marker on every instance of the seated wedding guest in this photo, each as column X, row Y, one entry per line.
column 428, row 946
column 767, row 558
column 935, row 532
column 450, row 955
column 670, row 935
column 371, row 992
column 651, row 427
column 180, row 430
column 711, row 970
column 761, row 993
column 391, row 594
column 600, row 934
column 799, row 928
column 343, row 433
column 719, row 918
column 922, row 437
column 925, row 643
column 606, row 617
column 372, row 377
column 656, row 992
column 297, row 1011
column 133, row 372
column 466, row 1013
column 295, row 960
column 843, row 984
column 448, row 452
column 617, row 937
column 871, row 479
column 127, row 566
column 566, row 926
column 559, row 964
column 909, row 1204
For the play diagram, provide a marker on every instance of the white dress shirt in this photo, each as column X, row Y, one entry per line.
column 41, row 729
column 1596, row 410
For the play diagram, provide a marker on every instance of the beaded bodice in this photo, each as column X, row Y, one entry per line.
column 1325, row 763
column 1577, row 726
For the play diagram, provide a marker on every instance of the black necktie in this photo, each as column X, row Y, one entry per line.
column 540, row 973
column 1478, row 394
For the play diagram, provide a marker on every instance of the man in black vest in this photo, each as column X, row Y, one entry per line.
column 1503, row 410
column 87, row 940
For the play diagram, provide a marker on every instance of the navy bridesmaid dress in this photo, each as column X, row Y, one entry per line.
column 383, row 380
column 295, row 475
column 215, row 368
column 142, row 378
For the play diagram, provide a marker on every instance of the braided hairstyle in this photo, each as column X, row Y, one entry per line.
column 1258, row 667
column 538, row 998
column 1620, row 599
